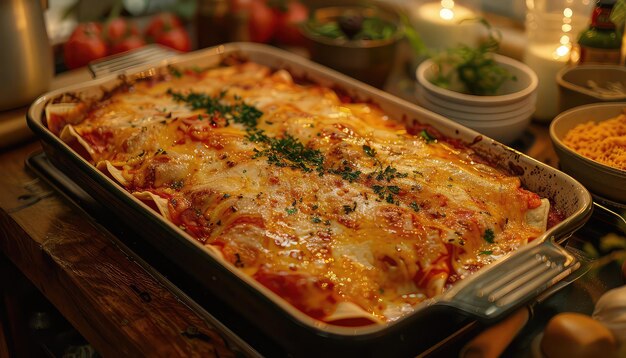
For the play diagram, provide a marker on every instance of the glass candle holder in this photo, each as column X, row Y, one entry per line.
column 444, row 24
column 552, row 28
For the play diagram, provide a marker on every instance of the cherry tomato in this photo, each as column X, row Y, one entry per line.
column 129, row 43
column 84, row 45
column 261, row 22
column 177, row 39
column 287, row 29
column 118, row 29
column 161, row 23
column 92, row 28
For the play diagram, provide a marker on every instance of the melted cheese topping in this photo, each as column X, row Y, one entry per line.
column 418, row 216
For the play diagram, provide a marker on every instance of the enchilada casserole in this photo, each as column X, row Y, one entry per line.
column 344, row 212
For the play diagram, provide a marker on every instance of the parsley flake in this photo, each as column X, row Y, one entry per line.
column 369, row 151
column 489, row 236
column 427, row 137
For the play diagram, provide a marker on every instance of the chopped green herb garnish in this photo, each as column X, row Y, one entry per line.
column 239, row 112
column 487, row 252
column 427, row 137
column 174, row 71
column 291, row 211
column 316, row 220
column 349, row 208
column 290, row 152
column 176, row 184
column 489, row 236
column 346, row 173
column 389, row 173
column 369, row 151
column 386, row 192
column 226, row 196
column 414, row 206
column 197, row 69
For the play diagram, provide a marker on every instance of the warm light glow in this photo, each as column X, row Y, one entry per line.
column 566, row 27
column 446, row 14
column 564, row 40
column 567, row 12
column 447, row 9
column 448, row 4
column 561, row 51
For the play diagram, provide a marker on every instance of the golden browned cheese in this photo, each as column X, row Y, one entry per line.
column 327, row 203
column 603, row 141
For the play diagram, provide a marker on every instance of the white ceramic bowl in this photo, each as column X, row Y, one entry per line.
column 526, row 109
column 574, row 89
column 424, row 95
column 511, row 91
column 502, row 117
column 505, row 132
column 602, row 180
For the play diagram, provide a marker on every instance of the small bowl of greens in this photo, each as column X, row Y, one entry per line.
column 503, row 106
column 480, row 89
column 356, row 40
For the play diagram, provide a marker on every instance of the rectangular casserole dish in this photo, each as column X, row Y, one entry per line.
column 530, row 270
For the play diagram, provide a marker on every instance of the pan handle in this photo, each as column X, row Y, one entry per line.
column 513, row 282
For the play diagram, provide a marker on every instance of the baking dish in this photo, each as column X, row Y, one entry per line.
column 489, row 294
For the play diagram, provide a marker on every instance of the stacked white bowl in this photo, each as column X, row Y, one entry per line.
column 503, row 116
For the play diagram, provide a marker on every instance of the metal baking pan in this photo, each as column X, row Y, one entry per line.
column 489, row 294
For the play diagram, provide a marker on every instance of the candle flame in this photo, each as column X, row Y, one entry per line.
column 447, row 9
column 446, row 14
column 561, row 51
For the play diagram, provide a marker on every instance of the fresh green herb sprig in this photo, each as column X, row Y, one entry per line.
column 474, row 67
column 463, row 68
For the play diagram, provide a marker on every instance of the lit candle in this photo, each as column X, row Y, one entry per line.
column 551, row 37
column 546, row 60
column 441, row 25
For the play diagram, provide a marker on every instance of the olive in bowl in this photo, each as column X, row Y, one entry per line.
column 358, row 41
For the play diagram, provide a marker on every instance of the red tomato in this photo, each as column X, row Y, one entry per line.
column 118, row 29
column 161, row 23
column 129, row 43
column 177, row 38
column 84, row 45
column 92, row 28
column 261, row 22
column 287, row 29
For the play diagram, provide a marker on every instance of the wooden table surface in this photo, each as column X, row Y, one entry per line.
column 100, row 291
column 112, row 301
column 121, row 309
